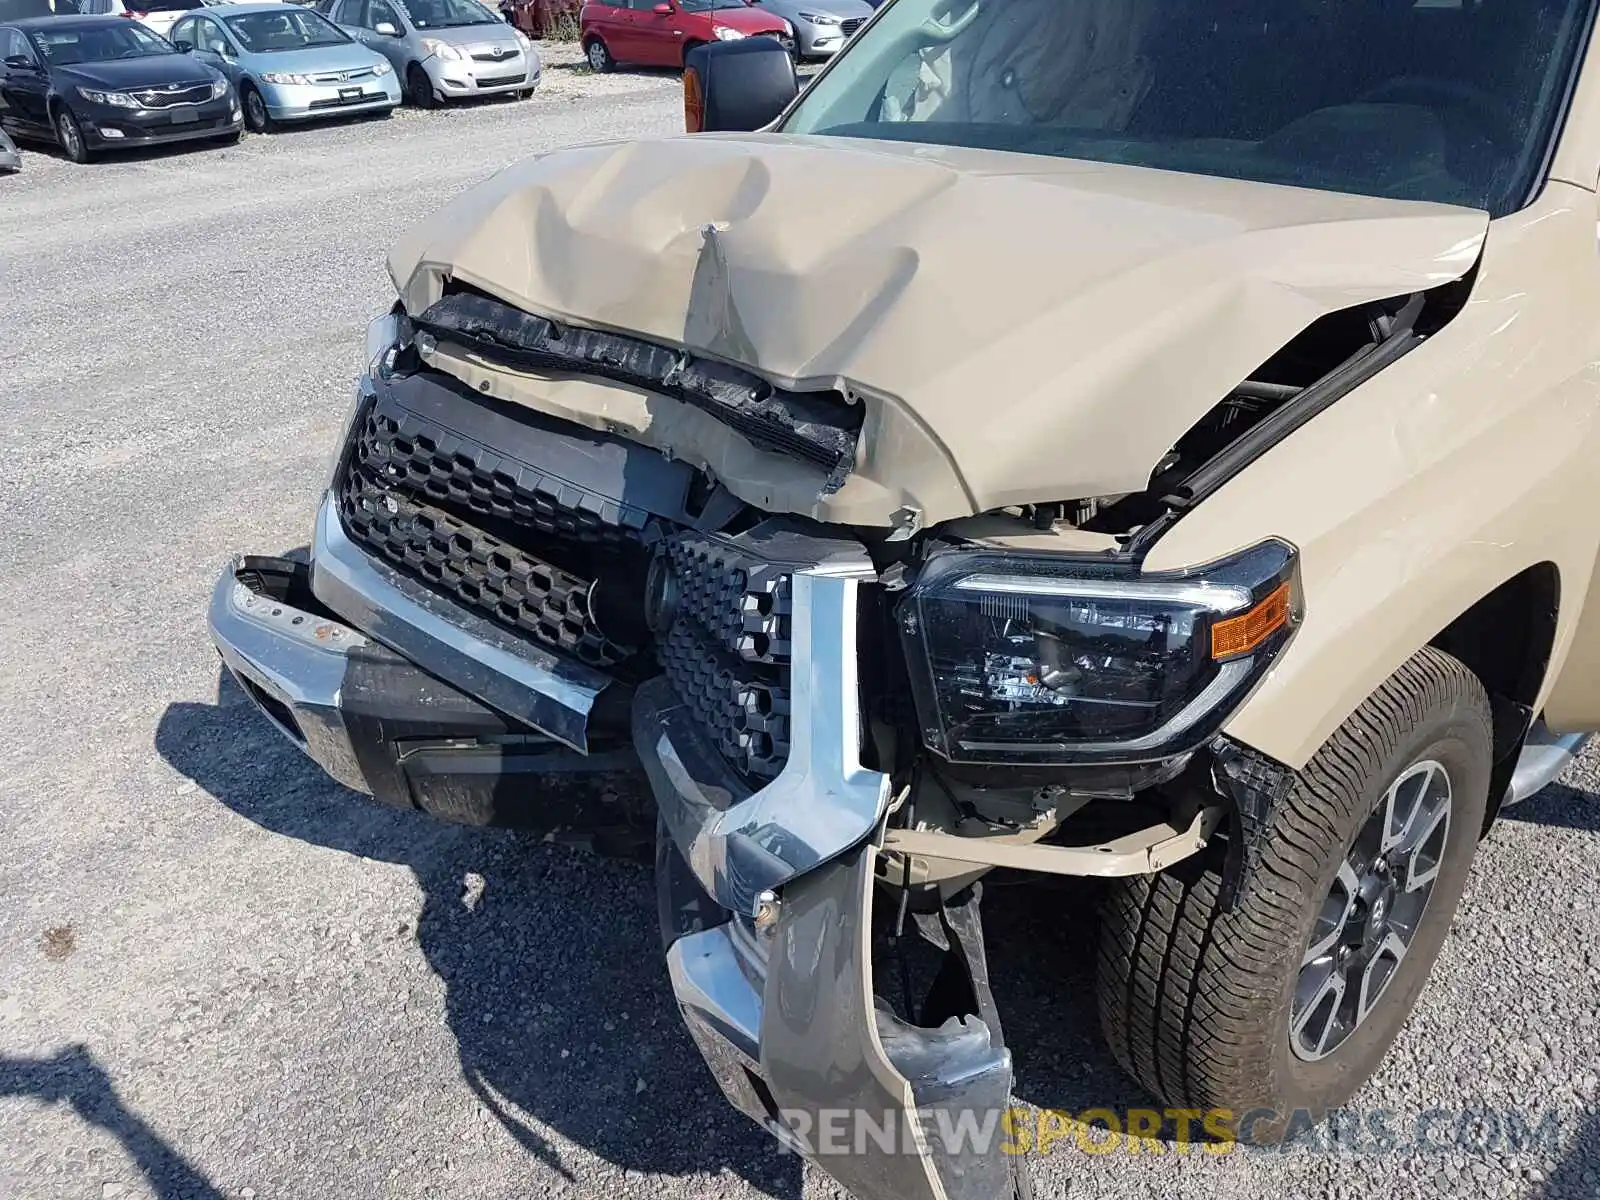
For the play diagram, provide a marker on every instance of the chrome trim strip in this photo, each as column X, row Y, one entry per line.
column 296, row 658
column 171, row 98
column 1544, row 756
column 522, row 680
column 709, row 984
column 823, row 802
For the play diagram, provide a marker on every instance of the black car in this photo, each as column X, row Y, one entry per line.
column 107, row 83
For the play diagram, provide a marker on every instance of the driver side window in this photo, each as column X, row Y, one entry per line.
column 208, row 37
column 381, row 12
column 15, row 45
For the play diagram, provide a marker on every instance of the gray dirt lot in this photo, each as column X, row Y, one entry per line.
column 220, row 975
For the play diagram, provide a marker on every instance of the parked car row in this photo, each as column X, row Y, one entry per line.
column 94, row 83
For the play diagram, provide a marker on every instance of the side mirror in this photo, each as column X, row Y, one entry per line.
column 737, row 86
column 386, row 28
column 19, row 62
column 663, row 10
column 183, row 46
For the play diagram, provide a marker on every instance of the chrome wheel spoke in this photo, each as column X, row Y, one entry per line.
column 1376, row 974
column 1319, row 1017
column 1401, row 803
column 1422, row 864
column 1335, row 915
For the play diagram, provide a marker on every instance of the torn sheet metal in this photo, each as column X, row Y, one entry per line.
column 819, row 428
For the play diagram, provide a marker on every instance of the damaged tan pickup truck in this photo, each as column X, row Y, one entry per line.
column 1153, row 442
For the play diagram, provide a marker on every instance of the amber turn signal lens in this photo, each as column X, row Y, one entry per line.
column 1242, row 634
column 694, row 104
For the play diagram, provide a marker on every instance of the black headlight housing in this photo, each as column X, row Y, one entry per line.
column 1033, row 660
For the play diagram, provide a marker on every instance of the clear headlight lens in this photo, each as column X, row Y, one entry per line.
column 1048, row 661
column 114, row 99
column 283, row 77
column 819, row 18
column 219, row 88
column 724, row 34
column 522, row 39
column 440, row 49
column 381, row 68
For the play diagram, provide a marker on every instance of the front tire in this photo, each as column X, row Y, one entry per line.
column 256, row 117
column 599, row 56
column 419, row 88
column 70, row 134
column 1289, row 1002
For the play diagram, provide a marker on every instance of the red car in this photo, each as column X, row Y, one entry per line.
column 652, row 34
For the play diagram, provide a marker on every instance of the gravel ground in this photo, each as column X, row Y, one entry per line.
column 221, row 975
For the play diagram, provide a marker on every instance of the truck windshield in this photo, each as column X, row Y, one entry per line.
column 1452, row 101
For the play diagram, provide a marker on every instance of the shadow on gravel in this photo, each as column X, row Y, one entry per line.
column 1577, row 1176
column 555, row 985
column 1043, row 975
column 144, row 154
column 73, row 1077
column 1560, row 807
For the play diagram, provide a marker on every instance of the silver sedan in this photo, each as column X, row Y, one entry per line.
column 821, row 27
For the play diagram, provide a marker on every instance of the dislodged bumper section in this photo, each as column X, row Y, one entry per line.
column 789, row 1025
column 778, row 991
column 378, row 724
column 741, row 843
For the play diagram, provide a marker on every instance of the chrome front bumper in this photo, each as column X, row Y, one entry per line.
column 392, row 699
column 294, row 102
column 536, row 687
column 785, row 1016
column 473, row 78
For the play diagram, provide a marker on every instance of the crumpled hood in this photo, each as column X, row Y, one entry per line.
column 1020, row 328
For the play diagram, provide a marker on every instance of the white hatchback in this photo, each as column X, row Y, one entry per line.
column 158, row 15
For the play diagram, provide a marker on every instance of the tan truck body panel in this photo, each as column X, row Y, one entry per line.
column 997, row 368
column 1026, row 329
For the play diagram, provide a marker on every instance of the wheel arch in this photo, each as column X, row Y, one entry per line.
column 1507, row 639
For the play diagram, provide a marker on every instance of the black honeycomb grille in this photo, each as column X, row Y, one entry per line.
column 483, row 572
column 741, row 601
column 400, row 449
column 517, row 546
column 727, row 653
column 746, row 716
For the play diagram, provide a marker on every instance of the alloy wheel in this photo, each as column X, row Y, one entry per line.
column 599, row 56
column 71, row 136
column 255, row 111
column 1371, row 912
